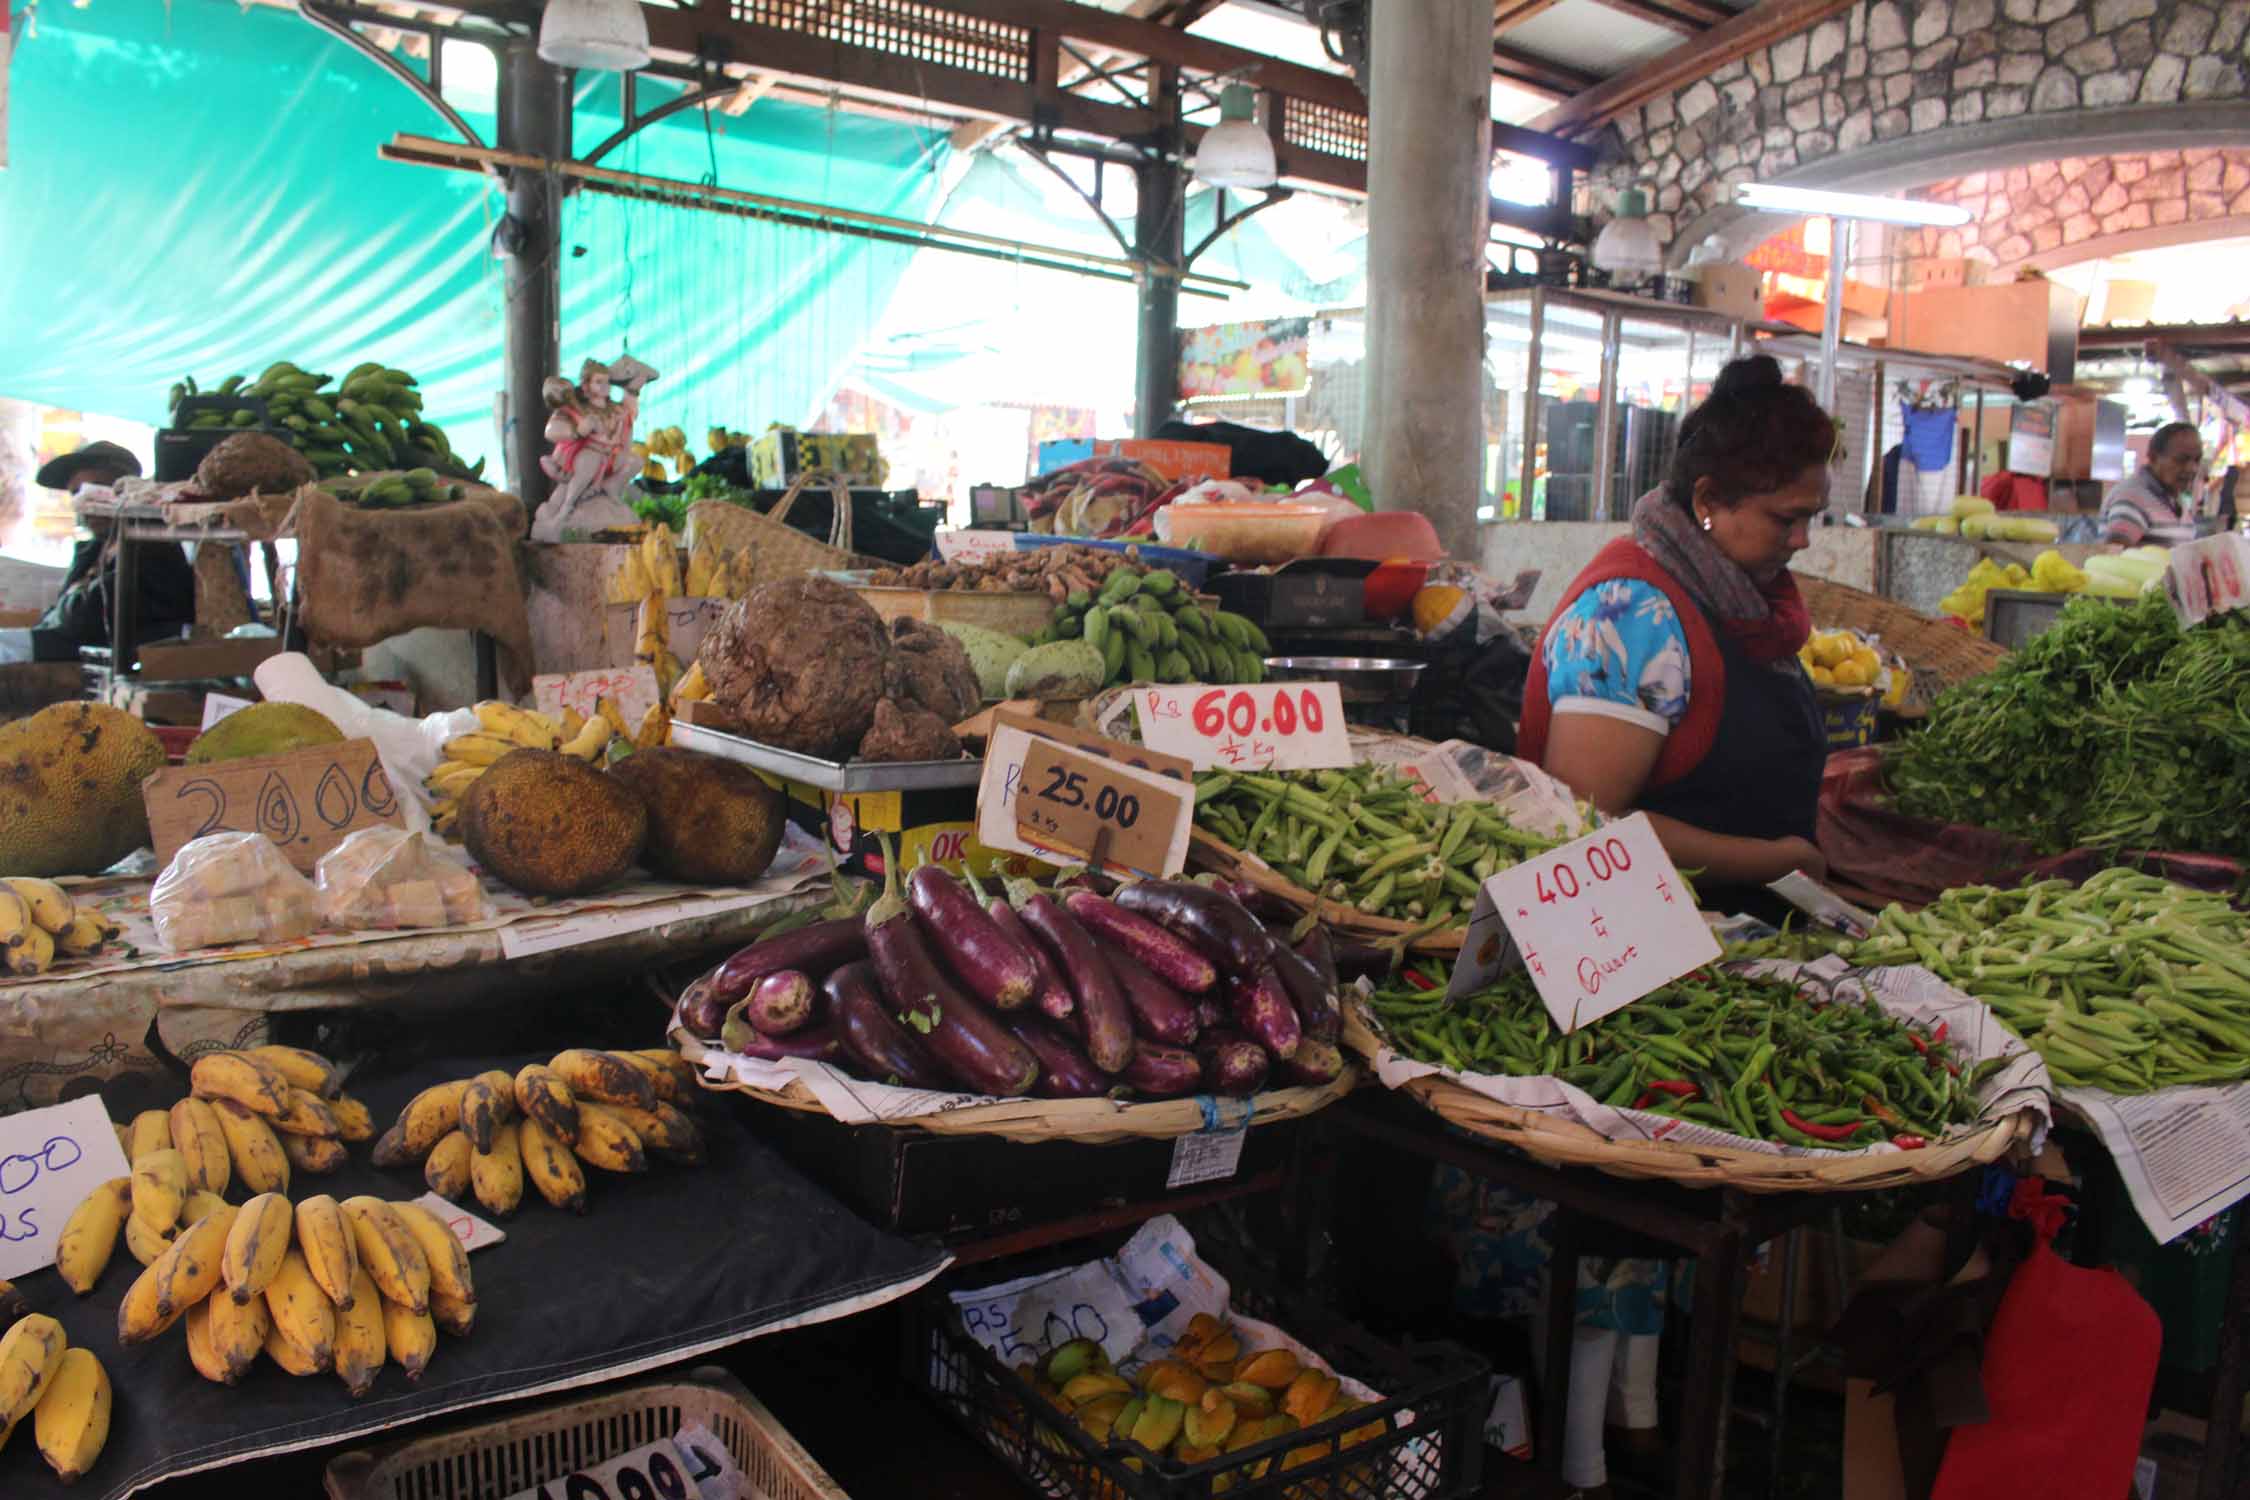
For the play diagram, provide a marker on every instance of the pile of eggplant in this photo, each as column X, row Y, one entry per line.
column 1154, row 989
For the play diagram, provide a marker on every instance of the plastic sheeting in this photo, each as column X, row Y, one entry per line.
column 195, row 188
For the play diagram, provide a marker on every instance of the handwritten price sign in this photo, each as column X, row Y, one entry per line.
column 50, row 1159
column 1599, row 922
column 1285, row 726
column 1075, row 803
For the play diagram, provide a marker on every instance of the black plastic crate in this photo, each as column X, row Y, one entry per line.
column 1433, row 1410
column 180, row 448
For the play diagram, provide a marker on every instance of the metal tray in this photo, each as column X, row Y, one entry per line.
column 829, row 775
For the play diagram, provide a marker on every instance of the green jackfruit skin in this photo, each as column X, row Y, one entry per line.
column 70, row 789
column 262, row 729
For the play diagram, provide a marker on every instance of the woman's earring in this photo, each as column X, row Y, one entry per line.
column 1705, row 518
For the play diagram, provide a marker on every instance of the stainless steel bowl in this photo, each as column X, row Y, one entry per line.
column 1361, row 679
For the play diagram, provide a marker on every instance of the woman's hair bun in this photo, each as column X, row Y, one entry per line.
column 1741, row 376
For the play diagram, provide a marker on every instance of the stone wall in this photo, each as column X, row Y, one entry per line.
column 1889, row 70
column 2046, row 210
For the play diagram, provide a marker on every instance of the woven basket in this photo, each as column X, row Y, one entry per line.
column 1209, row 852
column 1567, row 1143
column 1938, row 654
column 777, row 549
column 1092, row 1122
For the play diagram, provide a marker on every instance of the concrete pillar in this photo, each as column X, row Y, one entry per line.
column 1429, row 164
column 1159, row 235
column 534, row 119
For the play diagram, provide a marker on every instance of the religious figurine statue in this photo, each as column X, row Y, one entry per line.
column 591, row 427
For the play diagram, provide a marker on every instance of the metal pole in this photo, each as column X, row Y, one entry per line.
column 1601, row 505
column 534, row 120
column 1533, row 356
column 1976, row 451
column 1832, row 314
column 1160, row 238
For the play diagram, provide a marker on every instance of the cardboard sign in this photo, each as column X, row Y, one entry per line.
column 307, row 801
column 473, row 1232
column 2208, row 577
column 50, row 1159
column 1100, row 811
column 998, row 792
column 1599, row 922
column 1269, row 726
column 217, row 706
column 1205, row 1156
column 686, row 622
column 633, row 688
column 958, row 546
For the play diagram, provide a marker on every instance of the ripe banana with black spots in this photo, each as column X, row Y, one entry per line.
column 89, row 1236
column 236, row 1330
column 388, row 1253
column 200, row 1203
column 353, row 1122
column 328, row 1247
column 664, row 1128
column 359, row 1337
column 294, row 1357
column 306, row 1113
column 249, row 1081
column 447, row 1256
column 523, row 726
column 201, row 1353
column 497, row 1175
column 256, row 1246
column 447, row 1169
column 147, row 1245
column 604, row 1077
column 71, row 1420
column 551, row 1167
column 304, row 1320
column 542, row 1095
column 303, row 1069
column 30, row 1354
column 410, row 1336
column 51, row 906
column 151, row 1130
column 488, row 1101
column 669, row 1073
column 428, row 1117
column 202, row 1144
column 316, row 1155
column 159, row 1189
column 182, row 1276
column 606, row 1141
column 259, row 1162
column 87, row 934
column 454, row 1315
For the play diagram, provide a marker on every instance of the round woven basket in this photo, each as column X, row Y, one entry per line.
column 1093, row 1122
column 1209, row 852
column 1567, row 1143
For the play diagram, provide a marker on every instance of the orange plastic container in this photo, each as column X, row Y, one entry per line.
column 1245, row 532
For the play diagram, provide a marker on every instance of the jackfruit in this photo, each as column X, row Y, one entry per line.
column 262, row 729
column 709, row 820
column 70, row 789
column 991, row 653
column 551, row 825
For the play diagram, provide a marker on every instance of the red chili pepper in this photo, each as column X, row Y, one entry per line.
column 1937, row 1032
column 1819, row 1132
column 1915, row 1037
column 1419, row 982
column 1678, row 1088
column 1882, row 1111
column 1908, row 1142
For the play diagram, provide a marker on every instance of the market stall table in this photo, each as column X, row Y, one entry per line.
column 662, row 1267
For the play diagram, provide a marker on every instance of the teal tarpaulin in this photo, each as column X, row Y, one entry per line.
column 194, row 188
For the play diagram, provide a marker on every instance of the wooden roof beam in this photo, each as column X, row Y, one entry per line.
column 1687, row 17
column 1528, row 70
column 1760, row 26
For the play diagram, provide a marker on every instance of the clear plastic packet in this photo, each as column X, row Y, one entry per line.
column 387, row 877
column 231, row 888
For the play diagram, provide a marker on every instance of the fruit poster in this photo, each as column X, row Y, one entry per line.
column 1269, row 358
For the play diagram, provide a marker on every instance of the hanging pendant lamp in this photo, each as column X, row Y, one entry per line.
column 611, row 35
column 1235, row 153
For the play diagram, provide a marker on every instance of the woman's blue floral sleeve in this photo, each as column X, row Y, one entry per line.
column 1620, row 650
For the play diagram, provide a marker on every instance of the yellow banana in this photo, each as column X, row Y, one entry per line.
column 604, row 1077
column 89, row 1236
column 607, row 709
column 237, row 1331
column 72, row 1418
column 256, row 1246
column 388, row 1252
column 429, row 1115
column 49, row 904
column 359, row 1337
column 259, row 1162
column 305, row 1070
column 315, row 1155
column 159, row 1189
column 30, row 1354
column 484, row 1109
column 294, row 1357
column 390, row 1150
column 497, row 1175
column 302, row 1316
column 151, row 1131
column 34, row 953
column 182, row 1276
column 452, row 1314
column 305, row 1113
column 199, row 1202
column 479, row 749
column 672, row 1075
column 448, row 1257
column 542, row 1095
column 591, row 740
column 201, row 1352
column 246, row 1080
column 328, row 1247
column 452, row 778
column 15, row 921
column 353, row 1122
column 411, row 1337
column 551, row 1167
column 87, row 934
column 147, row 1245
column 447, row 1169
column 663, row 1129
column 202, row 1145
column 522, row 726
column 608, row 1142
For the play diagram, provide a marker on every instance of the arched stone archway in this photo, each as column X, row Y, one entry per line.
column 2078, row 208
column 1897, row 93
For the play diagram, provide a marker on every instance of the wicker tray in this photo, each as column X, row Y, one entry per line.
column 1093, row 1122
column 1938, row 654
column 1209, row 852
column 1567, row 1143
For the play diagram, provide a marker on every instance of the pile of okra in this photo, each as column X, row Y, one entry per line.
column 1364, row 837
column 1754, row 1057
column 2126, row 983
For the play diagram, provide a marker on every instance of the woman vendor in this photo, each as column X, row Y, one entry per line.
column 1667, row 683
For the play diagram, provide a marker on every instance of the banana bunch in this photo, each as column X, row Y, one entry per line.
column 39, row 921
column 652, row 569
column 1208, row 1397
column 671, row 443
column 370, row 423
column 502, row 728
column 64, row 1391
column 719, row 439
column 487, row 1134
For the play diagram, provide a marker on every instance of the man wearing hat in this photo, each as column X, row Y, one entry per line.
column 165, row 582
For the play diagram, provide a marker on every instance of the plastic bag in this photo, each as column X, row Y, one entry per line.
column 387, row 877
column 231, row 888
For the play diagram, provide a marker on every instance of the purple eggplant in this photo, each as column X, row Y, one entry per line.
column 1160, row 1013
column 781, row 1002
column 1105, row 1020
column 1315, row 949
column 1213, row 921
column 871, row 1034
column 1363, row 960
column 1210, row 1011
column 1315, row 1064
column 702, row 1010
column 967, row 1040
column 1261, row 903
column 1261, row 1008
column 1065, row 1072
column 1320, row 1010
column 1164, row 1072
column 820, row 1043
column 1175, row 960
column 994, row 966
column 1232, row 1064
column 1052, row 994
column 816, row 948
